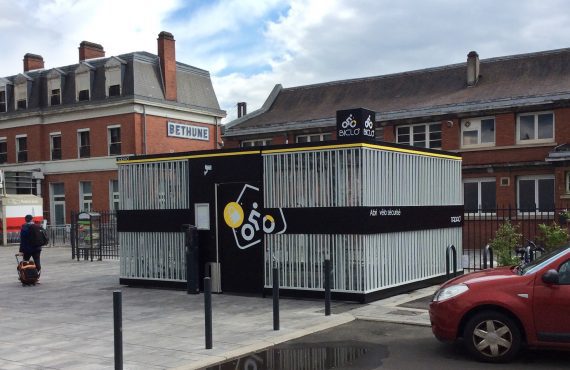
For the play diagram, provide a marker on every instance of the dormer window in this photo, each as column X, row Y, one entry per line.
column 114, row 76
column 21, row 85
column 4, row 94
column 83, row 82
column 54, row 82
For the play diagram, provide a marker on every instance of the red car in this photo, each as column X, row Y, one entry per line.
column 497, row 311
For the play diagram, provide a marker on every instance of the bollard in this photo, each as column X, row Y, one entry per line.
column 208, row 311
column 488, row 254
column 451, row 248
column 118, row 329
column 275, row 298
column 327, row 287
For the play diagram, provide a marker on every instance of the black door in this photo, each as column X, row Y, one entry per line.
column 240, row 237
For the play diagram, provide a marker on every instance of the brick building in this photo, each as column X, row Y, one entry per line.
column 509, row 117
column 62, row 128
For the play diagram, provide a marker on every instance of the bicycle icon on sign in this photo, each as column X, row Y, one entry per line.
column 349, row 122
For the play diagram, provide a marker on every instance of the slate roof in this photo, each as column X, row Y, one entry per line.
column 141, row 80
column 526, row 80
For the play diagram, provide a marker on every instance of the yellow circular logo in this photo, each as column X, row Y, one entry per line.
column 233, row 215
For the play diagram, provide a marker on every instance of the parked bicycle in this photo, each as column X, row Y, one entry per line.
column 528, row 253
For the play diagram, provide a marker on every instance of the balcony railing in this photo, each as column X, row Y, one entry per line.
column 85, row 151
column 55, row 154
column 22, row 156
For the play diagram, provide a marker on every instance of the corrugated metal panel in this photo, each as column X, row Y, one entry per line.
column 154, row 185
column 156, row 256
column 328, row 178
column 360, row 263
column 400, row 179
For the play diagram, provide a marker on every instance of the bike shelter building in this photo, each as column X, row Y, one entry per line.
column 382, row 213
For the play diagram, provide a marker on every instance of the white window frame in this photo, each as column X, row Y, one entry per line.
column 114, row 196
column 474, row 124
column 536, row 195
column 427, row 140
column 479, row 181
column 20, row 93
column 83, row 80
column 21, row 136
column 83, row 201
column 79, row 131
column 257, row 142
column 51, row 136
column 60, row 201
column 109, row 128
column 567, row 177
column 309, row 140
column 54, row 83
column 535, row 141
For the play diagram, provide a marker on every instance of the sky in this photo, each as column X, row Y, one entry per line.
column 249, row 46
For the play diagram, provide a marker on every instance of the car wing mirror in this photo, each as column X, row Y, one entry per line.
column 551, row 277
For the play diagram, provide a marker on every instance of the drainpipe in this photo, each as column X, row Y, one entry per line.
column 215, row 132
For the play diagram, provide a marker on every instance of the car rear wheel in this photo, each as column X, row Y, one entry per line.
column 491, row 336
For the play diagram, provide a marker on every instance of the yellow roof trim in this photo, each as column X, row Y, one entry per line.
column 187, row 157
column 362, row 145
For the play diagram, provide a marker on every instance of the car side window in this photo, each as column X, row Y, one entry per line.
column 564, row 273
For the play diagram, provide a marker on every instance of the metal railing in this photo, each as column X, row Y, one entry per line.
column 479, row 228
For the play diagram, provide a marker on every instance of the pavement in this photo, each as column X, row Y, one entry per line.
column 66, row 322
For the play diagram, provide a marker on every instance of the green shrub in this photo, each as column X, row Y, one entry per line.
column 504, row 243
column 552, row 236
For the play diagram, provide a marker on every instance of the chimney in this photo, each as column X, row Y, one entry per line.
column 472, row 68
column 33, row 61
column 90, row 50
column 241, row 109
column 167, row 56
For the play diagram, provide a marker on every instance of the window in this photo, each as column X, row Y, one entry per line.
column 57, row 195
column 564, row 273
column 114, row 194
column 55, row 145
column 3, row 150
column 478, row 132
column 535, row 193
column 313, row 138
column 115, row 90
column 260, row 142
column 479, row 195
column 83, row 95
column 113, row 74
column 21, row 149
column 3, row 104
column 85, row 196
column 535, row 127
column 83, row 81
column 114, row 138
column 422, row 135
column 84, row 144
column 21, row 92
column 55, row 97
column 54, row 77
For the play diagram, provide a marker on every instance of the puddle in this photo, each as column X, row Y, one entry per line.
column 311, row 356
column 421, row 303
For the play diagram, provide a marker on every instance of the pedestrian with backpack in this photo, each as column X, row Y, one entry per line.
column 32, row 239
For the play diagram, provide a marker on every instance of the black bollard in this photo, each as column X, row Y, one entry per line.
column 118, row 329
column 275, row 298
column 327, row 287
column 208, row 311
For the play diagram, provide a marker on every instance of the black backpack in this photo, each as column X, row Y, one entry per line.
column 37, row 236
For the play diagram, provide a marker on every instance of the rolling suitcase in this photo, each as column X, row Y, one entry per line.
column 27, row 272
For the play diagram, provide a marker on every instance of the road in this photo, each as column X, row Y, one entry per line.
column 368, row 345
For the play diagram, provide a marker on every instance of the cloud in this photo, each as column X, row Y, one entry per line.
column 250, row 45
